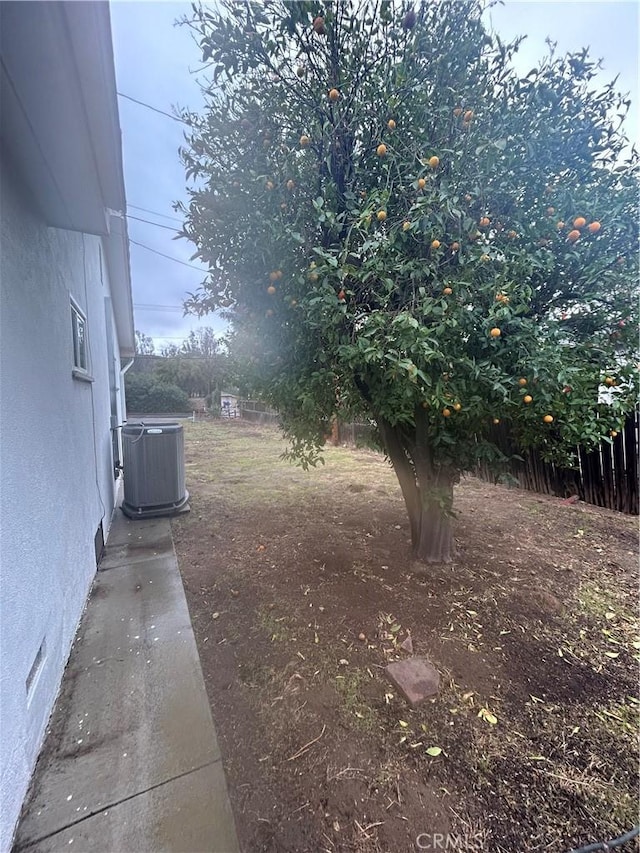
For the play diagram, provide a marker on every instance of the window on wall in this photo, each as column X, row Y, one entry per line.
column 79, row 332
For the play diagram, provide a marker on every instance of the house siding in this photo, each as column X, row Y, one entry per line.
column 56, row 468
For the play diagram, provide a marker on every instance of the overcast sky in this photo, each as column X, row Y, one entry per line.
column 157, row 62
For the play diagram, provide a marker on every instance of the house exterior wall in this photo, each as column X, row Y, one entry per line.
column 56, row 468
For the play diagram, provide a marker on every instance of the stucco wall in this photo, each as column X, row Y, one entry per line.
column 56, row 477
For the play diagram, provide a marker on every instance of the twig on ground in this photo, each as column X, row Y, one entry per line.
column 307, row 745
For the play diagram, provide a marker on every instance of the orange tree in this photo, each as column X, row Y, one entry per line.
column 402, row 228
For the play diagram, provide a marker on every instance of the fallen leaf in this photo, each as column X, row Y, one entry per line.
column 486, row 715
column 403, row 724
column 433, row 751
column 612, row 654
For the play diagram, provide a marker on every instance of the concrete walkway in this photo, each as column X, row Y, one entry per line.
column 131, row 761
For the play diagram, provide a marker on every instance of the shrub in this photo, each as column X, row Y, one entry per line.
column 146, row 394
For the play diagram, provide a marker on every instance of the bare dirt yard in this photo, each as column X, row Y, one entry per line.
column 300, row 592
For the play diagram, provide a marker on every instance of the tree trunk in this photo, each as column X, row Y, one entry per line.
column 427, row 489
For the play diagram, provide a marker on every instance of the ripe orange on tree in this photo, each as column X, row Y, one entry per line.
column 484, row 222
column 406, row 225
column 572, row 236
column 455, row 247
column 391, row 124
column 457, row 112
column 435, row 244
column 594, row 227
column 468, row 116
column 421, row 183
column 318, row 25
column 527, row 399
column 446, row 412
column 334, row 94
column 579, row 222
column 341, row 295
column 382, row 215
column 434, row 162
column 273, row 276
column 522, row 381
column 290, row 184
column 560, row 225
column 304, row 140
column 447, row 291
column 457, row 406
column 548, row 419
column 495, row 332
column 381, row 150
column 271, row 290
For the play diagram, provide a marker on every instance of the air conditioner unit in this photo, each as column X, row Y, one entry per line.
column 153, row 463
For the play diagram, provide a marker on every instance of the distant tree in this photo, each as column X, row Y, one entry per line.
column 401, row 227
column 199, row 365
column 144, row 344
column 145, row 393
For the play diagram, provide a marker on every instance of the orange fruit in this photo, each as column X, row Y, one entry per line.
column 269, row 185
column 406, row 225
column 496, row 420
column 341, row 295
column 333, row 94
column 548, row 419
column 485, row 258
column 594, row 228
column 495, row 332
column 435, row 244
column 560, row 225
column 457, row 112
column 579, row 222
column 273, row 276
column 381, row 150
column 391, row 124
column 271, row 290
column 572, row 236
column 278, row 274
column 512, row 234
column 455, row 247
column 457, row 406
column 421, row 183
column 613, row 433
column 484, row 222
column 304, row 140
column 468, row 116
column 447, row 291
column 446, row 412
column 522, row 381
column 290, row 184
column 382, row 215
column 434, row 162
column 527, row 399
column 551, row 211
column 318, row 25
column 609, row 381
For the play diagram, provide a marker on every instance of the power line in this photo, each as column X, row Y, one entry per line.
column 155, row 109
column 162, row 255
column 142, row 307
column 154, row 212
column 149, row 222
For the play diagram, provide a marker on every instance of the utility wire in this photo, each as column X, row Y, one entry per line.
column 162, row 255
column 155, row 109
column 154, row 212
column 149, row 222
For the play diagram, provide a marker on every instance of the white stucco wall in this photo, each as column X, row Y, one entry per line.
column 56, row 478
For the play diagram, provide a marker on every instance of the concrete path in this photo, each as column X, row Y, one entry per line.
column 131, row 761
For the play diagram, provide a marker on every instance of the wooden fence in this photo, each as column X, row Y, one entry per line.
column 606, row 476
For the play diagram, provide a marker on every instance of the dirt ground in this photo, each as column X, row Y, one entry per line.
column 531, row 744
